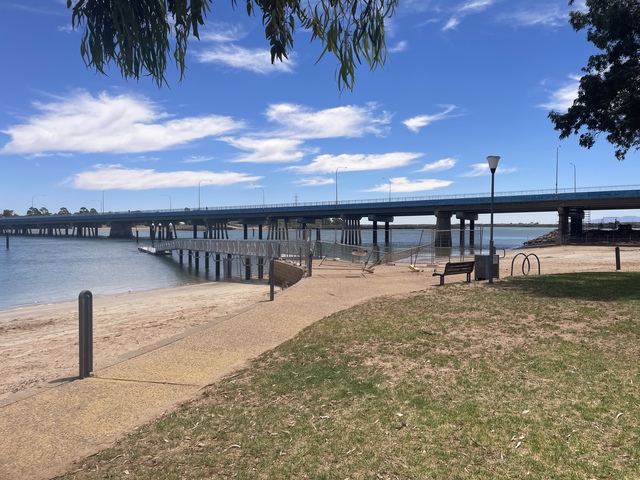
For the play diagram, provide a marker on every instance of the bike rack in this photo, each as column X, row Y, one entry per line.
column 525, row 261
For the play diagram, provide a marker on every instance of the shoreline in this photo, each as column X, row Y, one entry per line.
column 39, row 343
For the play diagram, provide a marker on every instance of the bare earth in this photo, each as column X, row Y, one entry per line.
column 39, row 344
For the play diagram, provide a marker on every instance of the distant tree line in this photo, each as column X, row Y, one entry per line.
column 33, row 212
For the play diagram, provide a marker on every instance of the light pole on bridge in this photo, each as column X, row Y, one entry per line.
column 337, row 168
column 34, row 196
column 574, row 178
column 163, row 195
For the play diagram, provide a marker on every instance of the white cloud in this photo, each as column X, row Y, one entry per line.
column 268, row 150
column 562, row 98
column 197, row 159
column 440, row 165
column 467, row 8
column 398, row 47
column 118, row 177
column 480, row 169
column 545, row 14
column 222, row 32
column 256, row 60
column 315, row 181
column 404, row 185
column 109, row 124
column 324, row 164
column 416, row 123
column 347, row 121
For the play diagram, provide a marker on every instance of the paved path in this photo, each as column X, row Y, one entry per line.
column 43, row 435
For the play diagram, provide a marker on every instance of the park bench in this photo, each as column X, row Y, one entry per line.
column 456, row 268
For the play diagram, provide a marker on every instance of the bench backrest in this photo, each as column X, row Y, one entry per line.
column 458, row 267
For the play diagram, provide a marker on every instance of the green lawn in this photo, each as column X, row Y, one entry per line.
column 533, row 377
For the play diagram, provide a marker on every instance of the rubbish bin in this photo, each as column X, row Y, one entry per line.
column 483, row 267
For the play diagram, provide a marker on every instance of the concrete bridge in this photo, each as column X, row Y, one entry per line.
column 570, row 204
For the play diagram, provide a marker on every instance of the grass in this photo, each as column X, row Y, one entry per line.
column 534, row 377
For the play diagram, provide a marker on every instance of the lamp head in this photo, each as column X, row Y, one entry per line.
column 493, row 162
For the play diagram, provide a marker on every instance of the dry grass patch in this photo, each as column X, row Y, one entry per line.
column 535, row 376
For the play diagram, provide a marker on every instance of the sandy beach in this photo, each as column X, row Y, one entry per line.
column 39, row 344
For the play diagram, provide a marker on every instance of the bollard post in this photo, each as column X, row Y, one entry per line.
column 617, row 258
column 85, row 311
column 310, row 264
column 272, row 280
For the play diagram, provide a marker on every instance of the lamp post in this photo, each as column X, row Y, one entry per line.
column 34, row 196
column 557, row 153
column 389, row 186
column 163, row 195
column 337, row 168
column 493, row 165
column 199, row 184
column 103, row 199
column 574, row 178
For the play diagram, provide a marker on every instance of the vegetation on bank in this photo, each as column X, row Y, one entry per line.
column 531, row 377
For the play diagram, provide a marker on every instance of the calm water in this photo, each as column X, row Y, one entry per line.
column 38, row 270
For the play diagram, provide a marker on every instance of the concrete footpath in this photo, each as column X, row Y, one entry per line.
column 43, row 435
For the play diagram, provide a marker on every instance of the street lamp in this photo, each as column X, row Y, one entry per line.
column 493, row 165
column 557, row 153
column 389, row 186
column 574, row 178
column 103, row 199
column 337, row 168
column 199, row 184
column 163, row 195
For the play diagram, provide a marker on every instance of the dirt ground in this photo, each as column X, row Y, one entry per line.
column 39, row 344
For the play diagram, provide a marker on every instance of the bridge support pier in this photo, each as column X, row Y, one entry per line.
column 351, row 231
column 277, row 228
column 443, row 229
column 472, row 217
column 387, row 219
column 121, row 230
column 569, row 223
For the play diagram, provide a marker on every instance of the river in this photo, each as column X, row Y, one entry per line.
column 41, row 270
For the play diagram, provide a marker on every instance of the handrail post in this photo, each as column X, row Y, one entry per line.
column 85, row 311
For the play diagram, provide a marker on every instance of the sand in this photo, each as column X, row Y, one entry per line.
column 39, row 344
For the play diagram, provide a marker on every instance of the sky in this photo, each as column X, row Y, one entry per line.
column 464, row 80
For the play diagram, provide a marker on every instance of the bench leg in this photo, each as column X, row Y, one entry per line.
column 469, row 277
column 441, row 279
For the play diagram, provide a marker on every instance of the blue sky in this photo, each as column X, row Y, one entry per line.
column 465, row 79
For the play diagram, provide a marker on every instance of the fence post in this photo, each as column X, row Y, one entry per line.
column 85, row 310
column 272, row 279
column 617, row 258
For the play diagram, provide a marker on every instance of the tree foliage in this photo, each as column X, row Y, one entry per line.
column 140, row 36
column 609, row 93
